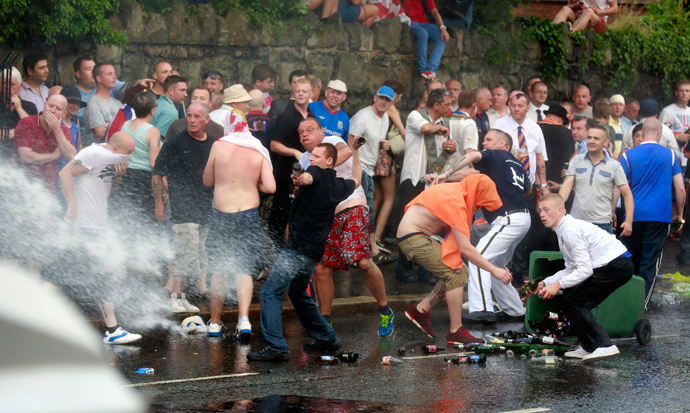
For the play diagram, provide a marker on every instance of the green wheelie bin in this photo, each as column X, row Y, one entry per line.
column 621, row 314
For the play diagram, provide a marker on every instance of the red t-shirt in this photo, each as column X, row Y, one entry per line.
column 30, row 135
column 415, row 11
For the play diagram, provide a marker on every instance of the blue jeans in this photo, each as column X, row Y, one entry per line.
column 606, row 227
column 295, row 270
column 425, row 32
column 368, row 187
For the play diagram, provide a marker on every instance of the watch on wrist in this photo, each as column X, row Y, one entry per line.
column 543, row 185
column 442, row 27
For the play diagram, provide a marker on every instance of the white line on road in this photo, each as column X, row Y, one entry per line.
column 225, row 376
column 659, row 336
column 537, row 409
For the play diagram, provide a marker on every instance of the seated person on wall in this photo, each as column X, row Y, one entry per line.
column 587, row 13
column 350, row 10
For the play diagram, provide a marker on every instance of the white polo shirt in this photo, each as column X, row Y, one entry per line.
column 534, row 138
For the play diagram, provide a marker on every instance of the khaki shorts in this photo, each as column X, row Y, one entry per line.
column 426, row 252
column 189, row 244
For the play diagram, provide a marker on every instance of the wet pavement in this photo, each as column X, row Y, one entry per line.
column 197, row 373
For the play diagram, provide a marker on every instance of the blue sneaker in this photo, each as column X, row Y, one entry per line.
column 120, row 336
column 214, row 330
column 386, row 324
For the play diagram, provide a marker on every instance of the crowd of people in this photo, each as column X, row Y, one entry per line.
column 467, row 185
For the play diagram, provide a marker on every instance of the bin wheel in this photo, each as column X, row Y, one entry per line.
column 643, row 331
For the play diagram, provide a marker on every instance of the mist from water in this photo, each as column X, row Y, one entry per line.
column 129, row 261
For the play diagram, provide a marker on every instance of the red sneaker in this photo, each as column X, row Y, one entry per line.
column 462, row 336
column 421, row 320
column 429, row 75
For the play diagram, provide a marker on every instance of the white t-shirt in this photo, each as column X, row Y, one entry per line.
column 374, row 129
column 678, row 119
column 343, row 170
column 92, row 189
column 602, row 4
column 464, row 134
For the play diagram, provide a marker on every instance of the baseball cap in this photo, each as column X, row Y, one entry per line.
column 386, row 91
column 648, row 108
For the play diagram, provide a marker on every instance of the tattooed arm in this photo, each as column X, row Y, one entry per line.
column 72, row 169
column 159, row 197
column 541, row 173
column 465, row 160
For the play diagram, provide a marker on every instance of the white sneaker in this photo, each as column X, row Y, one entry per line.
column 120, row 336
column 466, row 305
column 188, row 306
column 602, row 353
column 578, row 353
column 243, row 331
column 176, row 305
column 214, row 329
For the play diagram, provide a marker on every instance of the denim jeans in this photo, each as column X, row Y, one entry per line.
column 295, row 270
column 425, row 32
column 368, row 187
column 606, row 227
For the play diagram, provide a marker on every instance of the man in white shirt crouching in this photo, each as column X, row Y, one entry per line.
column 596, row 264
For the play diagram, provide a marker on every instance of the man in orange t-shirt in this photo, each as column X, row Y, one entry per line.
column 447, row 209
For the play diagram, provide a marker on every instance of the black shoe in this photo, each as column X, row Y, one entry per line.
column 317, row 345
column 404, row 276
column 503, row 317
column 268, row 354
column 480, row 317
column 425, row 277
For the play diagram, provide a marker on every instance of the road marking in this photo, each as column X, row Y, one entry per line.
column 431, row 356
column 536, row 409
column 659, row 336
column 225, row 376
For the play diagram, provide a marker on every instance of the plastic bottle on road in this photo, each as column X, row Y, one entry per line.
column 145, row 370
column 348, row 357
column 387, row 360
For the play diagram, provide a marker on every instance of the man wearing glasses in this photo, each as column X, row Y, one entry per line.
column 213, row 81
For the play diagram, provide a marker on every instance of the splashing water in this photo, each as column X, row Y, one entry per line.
column 85, row 264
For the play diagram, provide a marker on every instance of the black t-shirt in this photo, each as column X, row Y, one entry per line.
column 10, row 122
column 313, row 211
column 559, row 148
column 286, row 133
column 183, row 159
column 510, row 178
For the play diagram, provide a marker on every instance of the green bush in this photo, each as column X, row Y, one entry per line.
column 51, row 21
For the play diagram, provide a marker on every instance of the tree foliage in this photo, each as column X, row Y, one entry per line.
column 52, row 21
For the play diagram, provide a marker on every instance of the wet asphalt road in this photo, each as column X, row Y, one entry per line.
column 189, row 370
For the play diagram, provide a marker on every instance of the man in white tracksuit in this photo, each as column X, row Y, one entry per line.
column 509, row 224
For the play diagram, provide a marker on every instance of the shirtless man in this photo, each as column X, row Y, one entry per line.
column 447, row 208
column 239, row 166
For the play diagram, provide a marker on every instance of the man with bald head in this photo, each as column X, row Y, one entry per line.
column 482, row 115
column 40, row 141
column 182, row 160
column 581, row 98
column 260, row 124
column 652, row 171
column 454, row 87
column 86, row 182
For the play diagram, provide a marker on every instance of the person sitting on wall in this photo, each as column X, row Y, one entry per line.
column 582, row 14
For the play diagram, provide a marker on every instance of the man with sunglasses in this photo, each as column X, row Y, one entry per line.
column 213, row 81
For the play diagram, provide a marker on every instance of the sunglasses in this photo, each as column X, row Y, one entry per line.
column 212, row 75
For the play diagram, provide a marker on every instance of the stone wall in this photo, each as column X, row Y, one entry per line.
column 363, row 58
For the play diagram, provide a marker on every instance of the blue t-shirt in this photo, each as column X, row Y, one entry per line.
column 334, row 123
column 650, row 169
column 510, row 178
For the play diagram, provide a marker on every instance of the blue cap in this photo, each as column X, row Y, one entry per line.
column 387, row 92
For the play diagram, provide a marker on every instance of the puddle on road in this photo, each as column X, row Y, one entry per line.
column 287, row 404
